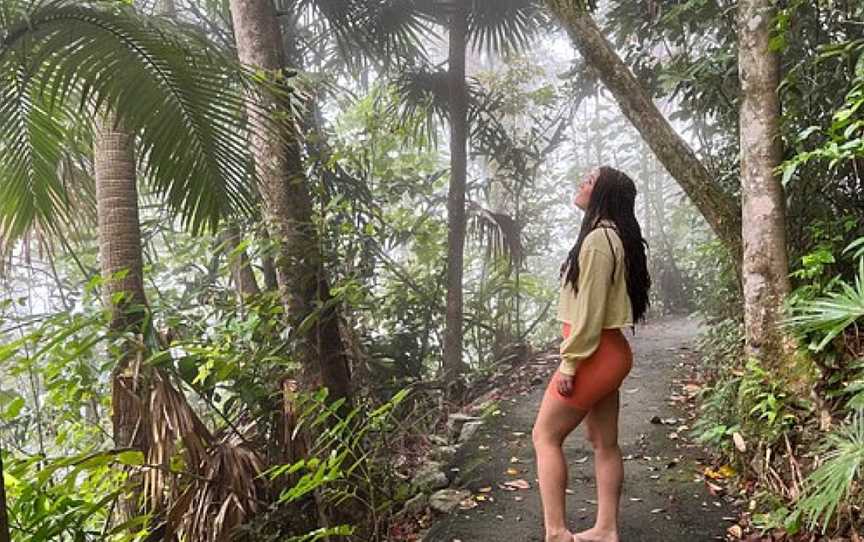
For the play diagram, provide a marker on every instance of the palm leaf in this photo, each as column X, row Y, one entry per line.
column 832, row 314
column 498, row 232
column 182, row 97
column 827, row 487
column 502, row 26
column 370, row 30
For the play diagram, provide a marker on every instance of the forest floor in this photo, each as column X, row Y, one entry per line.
column 670, row 494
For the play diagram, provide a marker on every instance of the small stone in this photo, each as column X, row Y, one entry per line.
column 446, row 500
column 444, row 454
column 430, row 477
column 469, row 430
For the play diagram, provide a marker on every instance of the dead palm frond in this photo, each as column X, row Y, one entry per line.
column 218, row 485
column 498, row 232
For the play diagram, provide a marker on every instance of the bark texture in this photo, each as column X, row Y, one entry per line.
column 123, row 284
column 288, row 207
column 719, row 209
column 765, row 266
column 453, row 364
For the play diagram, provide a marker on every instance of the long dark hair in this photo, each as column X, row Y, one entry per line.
column 613, row 198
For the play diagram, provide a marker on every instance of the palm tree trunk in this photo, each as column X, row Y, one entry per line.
column 719, row 209
column 123, row 284
column 453, row 363
column 288, row 208
column 765, row 269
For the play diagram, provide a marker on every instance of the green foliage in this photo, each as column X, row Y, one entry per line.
column 836, row 485
column 347, row 463
column 65, row 62
column 766, row 407
column 69, row 498
column 827, row 317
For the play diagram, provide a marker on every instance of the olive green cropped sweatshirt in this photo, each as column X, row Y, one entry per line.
column 601, row 302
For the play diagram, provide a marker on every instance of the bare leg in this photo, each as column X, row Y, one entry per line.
column 555, row 421
column 602, row 428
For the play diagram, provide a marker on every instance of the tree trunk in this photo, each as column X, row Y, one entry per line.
column 454, row 366
column 719, row 209
column 765, row 268
column 288, row 208
column 123, row 285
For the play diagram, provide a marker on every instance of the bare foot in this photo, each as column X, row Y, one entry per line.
column 563, row 536
column 596, row 535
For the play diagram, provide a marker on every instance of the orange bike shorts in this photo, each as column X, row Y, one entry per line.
column 599, row 374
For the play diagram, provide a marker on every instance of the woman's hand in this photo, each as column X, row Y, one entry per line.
column 565, row 383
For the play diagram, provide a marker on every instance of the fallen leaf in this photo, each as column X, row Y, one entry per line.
column 518, row 484
column 736, row 531
column 512, row 472
column 467, row 504
column 486, row 489
column 727, row 471
column 713, row 488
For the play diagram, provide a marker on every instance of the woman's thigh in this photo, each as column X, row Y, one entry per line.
column 601, row 422
column 556, row 419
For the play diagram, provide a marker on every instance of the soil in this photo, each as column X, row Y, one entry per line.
column 666, row 497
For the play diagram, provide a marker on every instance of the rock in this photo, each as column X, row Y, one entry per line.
column 468, row 431
column 455, row 423
column 446, row 500
column 444, row 454
column 430, row 477
column 414, row 506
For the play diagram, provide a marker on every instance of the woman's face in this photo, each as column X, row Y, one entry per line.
column 583, row 195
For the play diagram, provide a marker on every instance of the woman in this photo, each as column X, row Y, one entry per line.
column 604, row 288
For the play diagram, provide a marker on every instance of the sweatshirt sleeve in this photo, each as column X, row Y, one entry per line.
column 587, row 314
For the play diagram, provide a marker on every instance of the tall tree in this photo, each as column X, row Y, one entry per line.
column 765, row 267
column 303, row 285
column 719, row 208
column 120, row 258
column 497, row 26
column 458, row 106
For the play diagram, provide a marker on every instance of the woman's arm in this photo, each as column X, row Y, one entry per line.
column 587, row 314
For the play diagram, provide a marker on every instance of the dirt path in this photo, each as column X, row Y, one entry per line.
column 665, row 498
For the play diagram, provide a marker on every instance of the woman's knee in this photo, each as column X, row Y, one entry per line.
column 601, row 438
column 543, row 436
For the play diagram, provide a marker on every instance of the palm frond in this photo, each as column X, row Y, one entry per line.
column 383, row 31
column 183, row 98
column 421, row 103
column 826, row 488
column 498, row 232
column 502, row 26
column 829, row 316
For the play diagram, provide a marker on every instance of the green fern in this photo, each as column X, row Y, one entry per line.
column 830, row 485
